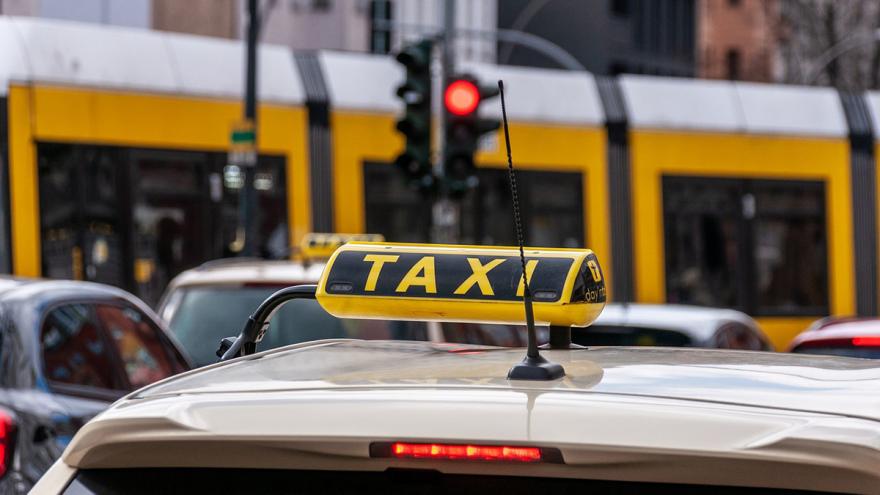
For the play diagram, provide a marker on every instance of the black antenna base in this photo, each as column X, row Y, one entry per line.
column 535, row 368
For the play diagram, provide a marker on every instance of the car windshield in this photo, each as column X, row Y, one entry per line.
column 837, row 350
column 207, row 314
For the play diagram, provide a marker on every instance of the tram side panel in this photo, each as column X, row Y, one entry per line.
column 558, row 150
column 740, row 200
column 101, row 173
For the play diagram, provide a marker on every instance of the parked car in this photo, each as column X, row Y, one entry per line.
column 664, row 325
column 853, row 337
column 674, row 325
column 67, row 350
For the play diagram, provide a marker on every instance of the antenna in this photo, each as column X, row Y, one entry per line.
column 533, row 366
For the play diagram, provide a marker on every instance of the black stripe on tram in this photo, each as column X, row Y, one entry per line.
column 319, row 136
column 620, row 192
column 864, row 197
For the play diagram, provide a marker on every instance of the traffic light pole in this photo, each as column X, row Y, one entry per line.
column 445, row 213
column 248, row 197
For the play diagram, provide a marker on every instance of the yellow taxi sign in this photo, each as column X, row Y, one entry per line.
column 322, row 246
column 461, row 283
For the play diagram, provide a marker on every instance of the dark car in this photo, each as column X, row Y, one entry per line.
column 67, row 350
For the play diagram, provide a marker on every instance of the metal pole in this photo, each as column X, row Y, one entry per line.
column 248, row 198
column 445, row 213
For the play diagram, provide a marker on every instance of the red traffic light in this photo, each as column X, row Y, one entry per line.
column 462, row 97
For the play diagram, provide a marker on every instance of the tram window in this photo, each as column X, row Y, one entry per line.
column 758, row 246
column 552, row 209
column 394, row 209
column 790, row 257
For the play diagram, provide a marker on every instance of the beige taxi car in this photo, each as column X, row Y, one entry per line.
column 354, row 416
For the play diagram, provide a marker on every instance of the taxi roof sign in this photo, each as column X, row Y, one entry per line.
column 321, row 246
column 461, row 283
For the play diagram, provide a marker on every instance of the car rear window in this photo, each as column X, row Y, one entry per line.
column 207, row 314
column 622, row 335
column 274, row 481
column 845, row 351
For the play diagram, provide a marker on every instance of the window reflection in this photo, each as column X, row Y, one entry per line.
column 74, row 350
column 755, row 245
column 552, row 208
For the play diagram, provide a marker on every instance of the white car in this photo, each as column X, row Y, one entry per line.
column 674, row 325
column 354, row 416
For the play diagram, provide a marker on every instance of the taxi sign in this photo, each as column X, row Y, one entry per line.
column 461, row 283
column 322, row 246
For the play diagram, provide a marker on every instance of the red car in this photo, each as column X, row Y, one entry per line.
column 853, row 337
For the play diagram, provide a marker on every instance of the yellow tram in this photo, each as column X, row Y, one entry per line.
column 114, row 141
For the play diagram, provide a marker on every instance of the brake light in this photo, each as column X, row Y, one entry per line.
column 7, row 435
column 465, row 452
column 866, row 341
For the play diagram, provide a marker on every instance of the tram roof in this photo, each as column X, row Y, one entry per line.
column 536, row 95
column 80, row 54
column 119, row 58
column 873, row 100
column 732, row 107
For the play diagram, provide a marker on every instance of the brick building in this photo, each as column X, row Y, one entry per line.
column 736, row 39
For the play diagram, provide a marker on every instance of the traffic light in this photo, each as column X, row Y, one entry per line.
column 462, row 99
column 415, row 161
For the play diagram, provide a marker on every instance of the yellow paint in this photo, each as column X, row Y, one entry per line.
column 365, row 137
column 378, row 261
column 358, row 138
column 563, row 311
column 421, row 275
column 91, row 116
column 530, row 269
column 655, row 154
column 23, row 185
column 782, row 330
column 479, row 277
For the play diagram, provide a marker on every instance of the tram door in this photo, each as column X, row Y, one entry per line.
column 170, row 216
column 82, row 213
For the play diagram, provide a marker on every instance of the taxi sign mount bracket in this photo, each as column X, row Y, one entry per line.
column 257, row 324
column 533, row 366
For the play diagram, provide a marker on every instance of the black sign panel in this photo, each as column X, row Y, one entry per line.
column 448, row 276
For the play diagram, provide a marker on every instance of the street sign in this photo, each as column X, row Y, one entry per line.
column 243, row 144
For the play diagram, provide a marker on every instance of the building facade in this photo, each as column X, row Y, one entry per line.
column 607, row 37
column 736, row 40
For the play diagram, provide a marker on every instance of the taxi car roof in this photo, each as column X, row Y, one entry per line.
column 234, row 272
column 767, row 380
column 640, row 414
